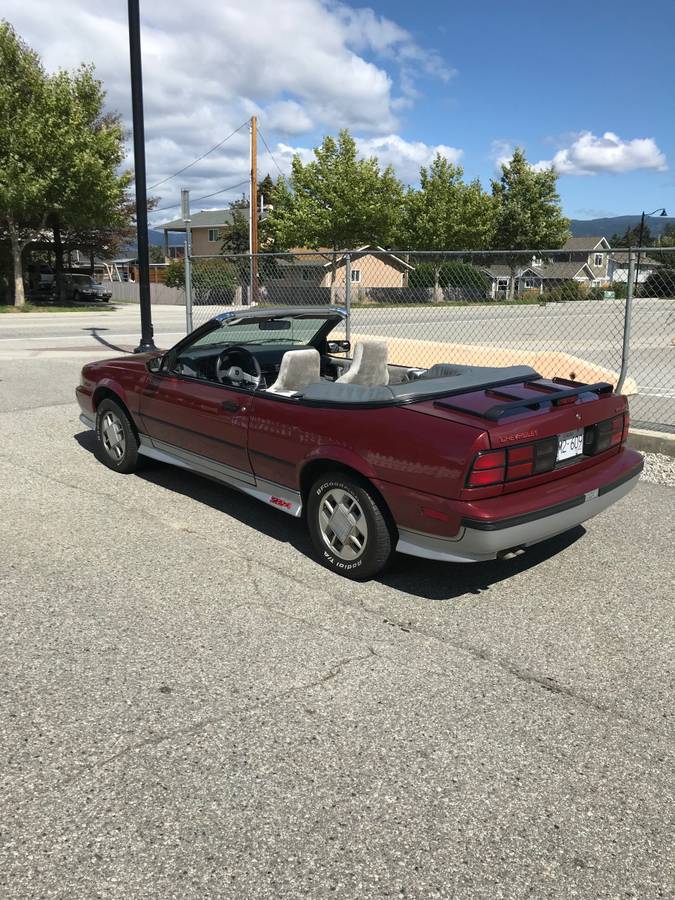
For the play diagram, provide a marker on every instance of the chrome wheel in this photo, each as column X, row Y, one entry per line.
column 343, row 524
column 112, row 436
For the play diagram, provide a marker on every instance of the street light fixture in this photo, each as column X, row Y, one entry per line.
column 661, row 212
column 147, row 343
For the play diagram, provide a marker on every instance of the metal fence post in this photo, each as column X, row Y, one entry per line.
column 626, row 323
column 187, row 261
column 348, row 295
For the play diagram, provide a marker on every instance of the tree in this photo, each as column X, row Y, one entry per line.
column 266, row 190
column 156, row 253
column 336, row 200
column 24, row 145
column 59, row 154
column 631, row 236
column 235, row 236
column 175, row 274
column 446, row 213
column 527, row 214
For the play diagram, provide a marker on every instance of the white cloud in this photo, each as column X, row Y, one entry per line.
column 305, row 66
column 405, row 156
column 589, row 155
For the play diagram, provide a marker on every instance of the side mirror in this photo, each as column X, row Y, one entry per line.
column 155, row 364
column 339, row 346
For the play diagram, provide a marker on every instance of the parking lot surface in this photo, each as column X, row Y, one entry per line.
column 192, row 707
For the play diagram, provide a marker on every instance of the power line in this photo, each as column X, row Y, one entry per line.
column 205, row 197
column 262, row 138
column 199, row 158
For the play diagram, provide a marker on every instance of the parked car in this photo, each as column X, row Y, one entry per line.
column 454, row 463
column 84, row 287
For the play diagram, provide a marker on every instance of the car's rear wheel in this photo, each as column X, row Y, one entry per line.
column 116, row 439
column 348, row 526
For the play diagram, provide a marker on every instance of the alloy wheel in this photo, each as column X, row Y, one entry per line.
column 112, row 436
column 343, row 524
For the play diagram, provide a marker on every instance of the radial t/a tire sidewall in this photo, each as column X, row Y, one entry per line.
column 379, row 546
column 129, row 461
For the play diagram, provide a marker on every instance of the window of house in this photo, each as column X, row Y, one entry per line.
column 306, row 275
column 530, row 283
column 356, row 276
column 598, row 260
column 213, row 235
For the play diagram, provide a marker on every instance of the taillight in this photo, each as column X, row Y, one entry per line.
column 604, row 435
column 487, row 468
column 626, row 426
column 498, row 466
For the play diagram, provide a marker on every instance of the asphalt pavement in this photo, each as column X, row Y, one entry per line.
column 192, row 707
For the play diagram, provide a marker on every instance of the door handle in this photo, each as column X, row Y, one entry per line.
column 231, row 405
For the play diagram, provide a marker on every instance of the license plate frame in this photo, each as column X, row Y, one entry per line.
column 570, row 445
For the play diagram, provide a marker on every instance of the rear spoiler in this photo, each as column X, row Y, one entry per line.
column 553, row 396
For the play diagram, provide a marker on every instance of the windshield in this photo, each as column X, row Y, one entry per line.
column 82, row 279
column 282, row 330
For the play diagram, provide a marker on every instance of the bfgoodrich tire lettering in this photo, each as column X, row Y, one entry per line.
column 116, row 441
column 348, row 526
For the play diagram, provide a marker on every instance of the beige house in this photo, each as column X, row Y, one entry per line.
column 206, row 228
column 370, row 267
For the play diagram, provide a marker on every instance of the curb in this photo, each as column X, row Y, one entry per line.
column 651, row 441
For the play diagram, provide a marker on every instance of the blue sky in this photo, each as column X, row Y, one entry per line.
column 537, row 74
column 587, row 86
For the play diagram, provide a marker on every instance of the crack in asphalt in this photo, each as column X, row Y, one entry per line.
column 520, row 673
column 333, row 672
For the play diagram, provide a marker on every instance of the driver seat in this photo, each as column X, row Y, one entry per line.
column 298, row 369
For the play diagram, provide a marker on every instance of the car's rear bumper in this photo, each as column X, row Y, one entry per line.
column 484, row 534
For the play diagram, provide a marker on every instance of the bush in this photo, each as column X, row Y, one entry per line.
column 566, row 291
column 175, row 274
column 473, row 283
column 659, row 284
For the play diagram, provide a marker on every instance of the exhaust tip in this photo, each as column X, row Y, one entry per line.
column 511, row 553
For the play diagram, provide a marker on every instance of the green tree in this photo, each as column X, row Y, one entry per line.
column 631, row 236
column 266, row 189
column 336, row 200
column 156, row 253
column 175, row 274
column 24, row 148
column 446, row 213
column 235, row 236
column 527, row 210
column 59, row 154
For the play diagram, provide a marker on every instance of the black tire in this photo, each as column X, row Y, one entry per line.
column 116, row 439
column 377, row 539
column 76, row 296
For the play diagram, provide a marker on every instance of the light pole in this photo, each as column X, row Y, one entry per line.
column 661, row 212
column 147, row 343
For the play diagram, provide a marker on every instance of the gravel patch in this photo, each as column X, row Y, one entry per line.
column 659, row 469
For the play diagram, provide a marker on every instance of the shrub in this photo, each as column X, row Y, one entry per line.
column 471, row 281
column 659, row 284
column 175, row 274
column 566, row 291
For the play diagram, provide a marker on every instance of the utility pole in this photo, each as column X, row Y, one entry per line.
column 253, row 210
column 147, row 343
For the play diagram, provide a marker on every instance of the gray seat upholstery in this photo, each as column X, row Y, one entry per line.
column 298, row 369
column 369, row 365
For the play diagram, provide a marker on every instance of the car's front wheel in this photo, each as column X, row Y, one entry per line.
column 116, row 439
column 348, row 526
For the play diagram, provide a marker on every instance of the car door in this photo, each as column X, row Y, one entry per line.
column 200, row 422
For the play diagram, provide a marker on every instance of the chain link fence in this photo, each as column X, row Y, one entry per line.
column 588, row 314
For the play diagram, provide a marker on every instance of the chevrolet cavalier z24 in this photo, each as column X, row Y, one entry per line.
column 455, row 463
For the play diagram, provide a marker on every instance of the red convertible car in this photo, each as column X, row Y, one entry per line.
column 456, row 463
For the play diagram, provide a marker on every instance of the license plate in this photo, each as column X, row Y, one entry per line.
column 570, row 444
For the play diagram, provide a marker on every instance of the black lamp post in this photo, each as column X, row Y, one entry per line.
column 147, row 342
column 661, row 212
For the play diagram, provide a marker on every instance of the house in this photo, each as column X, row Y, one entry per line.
column 206, row 227
column 370, row 267
column 593, row 252
column 618, row 267
column 541, row 276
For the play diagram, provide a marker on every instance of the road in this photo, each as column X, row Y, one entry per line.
column 591, row 330
column 192, row 707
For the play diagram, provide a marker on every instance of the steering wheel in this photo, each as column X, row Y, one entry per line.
column 238, row 366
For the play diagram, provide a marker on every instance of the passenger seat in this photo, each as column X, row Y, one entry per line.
column 369, row 365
